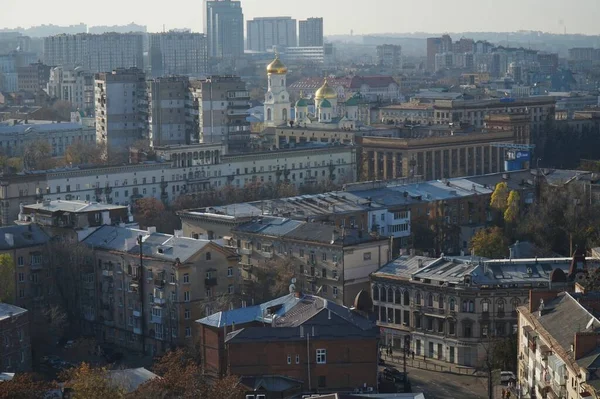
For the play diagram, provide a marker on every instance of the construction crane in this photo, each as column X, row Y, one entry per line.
column 517, row 156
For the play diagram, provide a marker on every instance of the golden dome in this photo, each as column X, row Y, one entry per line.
column 326, row 92
column 277, row 67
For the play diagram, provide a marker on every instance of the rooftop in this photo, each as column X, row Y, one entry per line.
column 130, row 379
column 74, row 206
column 7, row 310
column 41, row 128
column 21, row 236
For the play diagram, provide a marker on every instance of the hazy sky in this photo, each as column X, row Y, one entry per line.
column 374, row 16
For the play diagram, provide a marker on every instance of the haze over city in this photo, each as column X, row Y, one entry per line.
column 364, row 17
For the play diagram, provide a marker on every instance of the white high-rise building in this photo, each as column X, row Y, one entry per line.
column 264, row 33
column 277, row 99
column 73, row 85
column 178, row 53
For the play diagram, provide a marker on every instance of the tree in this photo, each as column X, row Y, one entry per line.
column 500, row 197
column 38, row 156
column 25, row 386
column 86, row 382
column 81, row 153
column 152, row 212
column 7, row 278
column 490, row 243
column 270, row 280
column 513, row 207
column 63, row 110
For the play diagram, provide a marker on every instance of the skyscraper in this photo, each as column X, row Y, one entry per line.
column 264, row 33
column 178, row 53
column 224, row 28
column 311, row 32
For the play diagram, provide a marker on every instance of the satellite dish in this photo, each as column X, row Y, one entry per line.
column 292, row 288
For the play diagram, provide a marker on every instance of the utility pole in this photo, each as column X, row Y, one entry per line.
column 141, row 288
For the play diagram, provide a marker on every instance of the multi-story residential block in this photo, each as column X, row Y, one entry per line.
column 9, row 66
column 33, row 77
column 16, row 189
column 73, row 85
column 149, row 288
column 224, row 28
column 266, row 32
column 167, row 111
column 15, row 351
column 33, row 282
column 121, row 107
column 95, row 53
column 304, row 337
column 15, row 138
column 390, row 56
column 311, row 32
column 221, row 104
column 178, row 53
column 333, row 263
column 452, row 307
column 72, row 221
column 317, row 56
column 558, row 335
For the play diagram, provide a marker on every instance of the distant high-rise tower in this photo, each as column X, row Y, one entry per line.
column 178, row 53
column 311, row 32
column 224, row 28
column 264, row 33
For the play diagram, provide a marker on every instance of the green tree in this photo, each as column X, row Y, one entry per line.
column 513, row 207
column 490, row 243
column 86, row 382
column 7, row 278
column 82, row 152
column 500, row 197
column 25, row 386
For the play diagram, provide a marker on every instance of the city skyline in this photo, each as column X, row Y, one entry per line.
column 429, row 16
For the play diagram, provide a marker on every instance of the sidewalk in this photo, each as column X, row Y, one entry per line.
column 430, row 364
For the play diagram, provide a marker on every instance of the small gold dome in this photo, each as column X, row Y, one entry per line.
column 326, row 92
column 277, row 67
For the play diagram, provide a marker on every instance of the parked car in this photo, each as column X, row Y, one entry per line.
column 507, row 376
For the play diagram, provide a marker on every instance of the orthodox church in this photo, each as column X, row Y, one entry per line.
column 327, row 113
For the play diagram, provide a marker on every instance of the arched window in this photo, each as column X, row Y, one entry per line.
column 430, row 300
column 268, row 114
column 406, row 298
column 501, row 306
column 284, row 114
column 383, row 294
column 452, row 304
column 375, row 293
column 390, row 295
column 398, row 297
column 282, row 82
column 471, row 306
column 465, row 306
column 441, row 302
column 418, row 298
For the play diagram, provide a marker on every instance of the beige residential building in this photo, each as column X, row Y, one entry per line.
column 330, row 262
column 145, row 289
column 15, row 351
column 558, row 335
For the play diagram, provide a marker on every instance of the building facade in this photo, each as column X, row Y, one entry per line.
column 390, row 56
column 266, row 32
column 147, row 298
column 15, row 351
column 34, row 77
column 121, row 107
column 73, row 85
column 167, row 111
column 224, row 28
column 178, row 53
column 311, row 32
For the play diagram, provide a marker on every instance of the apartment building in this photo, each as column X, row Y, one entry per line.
column 121, row 107
column 15, row 351
column 15, row 138
column 265, row 32
column 16, row 189
column 558, row 335
column 224, row 28
column 327, row 261
column 178, row 53
column 452, row 307
column 303, row 337
column 74, row 85
column 95, row 53
column 167, row 111
column 149, row 288
column 9, row 66
column 33, row 77
column 220, row 106
column 310, row 32
column 33, row 283
column 390, row 56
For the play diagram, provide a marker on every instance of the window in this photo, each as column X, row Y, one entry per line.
column 485, row 307
column 36, row 258
column 367, row 256
column 186, row 296
column 297, row 359
column 188, row 332
column 321, row 356
column 441, row 302
column 187, row 314
column 208, row 256
column 430, row 300
column 484, row 331
column 375, row 293
column 406, row 298
column 230, row 289
column 324, row 256
column 322, row 381
column 289, row 359
column 186, row 278
column 418, row 298
column 452, row 304
column 173, row 296
column 149, row 274
column 501, row 306
column 335, row 291
column 451, row 327
column 21, row 277
column 20, row 261
column 467, row 331
column 430, row 323
column 230, row 272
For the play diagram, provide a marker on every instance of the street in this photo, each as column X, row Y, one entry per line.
column 439, row 385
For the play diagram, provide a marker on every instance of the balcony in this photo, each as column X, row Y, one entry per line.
column 159, row 301
column 156, row 319
column 159, row 283
column 210, row 282
column 35, row 266
column 246, row 266
column 268, row 255
column 137, row 330
column 244, row 251
column 137, row 313
column 107, row 273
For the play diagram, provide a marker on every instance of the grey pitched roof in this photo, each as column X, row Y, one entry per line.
column 155, row 245
column 130, row 379
column 6, row 310
column 270, row 226
column 23, row 236
column 74, row 206
column 270, row 383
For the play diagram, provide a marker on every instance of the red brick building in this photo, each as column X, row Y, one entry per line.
column 306, row 338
